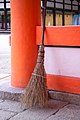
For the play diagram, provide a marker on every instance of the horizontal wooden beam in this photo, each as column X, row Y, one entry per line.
column 59, row 36
column 63, row 83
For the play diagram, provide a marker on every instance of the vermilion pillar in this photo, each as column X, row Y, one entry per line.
column 25, row 16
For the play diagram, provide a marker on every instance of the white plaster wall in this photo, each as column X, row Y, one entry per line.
column 62, row 61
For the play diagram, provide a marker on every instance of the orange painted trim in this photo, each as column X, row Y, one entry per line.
column 63, row 36
column 63, row 83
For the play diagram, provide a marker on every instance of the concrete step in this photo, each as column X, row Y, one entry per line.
column 66, row 97
column 7, row 92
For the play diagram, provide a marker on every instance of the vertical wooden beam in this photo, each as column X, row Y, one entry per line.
column 5, row 14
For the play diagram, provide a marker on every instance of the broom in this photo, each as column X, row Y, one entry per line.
column 36, row 93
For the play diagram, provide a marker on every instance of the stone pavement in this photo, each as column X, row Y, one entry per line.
column 56, row 110
column 13, row 110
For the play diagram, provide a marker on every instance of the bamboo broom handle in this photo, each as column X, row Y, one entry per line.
column 44, row 4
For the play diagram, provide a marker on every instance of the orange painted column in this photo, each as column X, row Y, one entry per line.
column 25, row 16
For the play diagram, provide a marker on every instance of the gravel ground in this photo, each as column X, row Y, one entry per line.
column 5, row 63
column 5, row 55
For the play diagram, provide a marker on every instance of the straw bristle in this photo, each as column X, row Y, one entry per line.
column 36, row 90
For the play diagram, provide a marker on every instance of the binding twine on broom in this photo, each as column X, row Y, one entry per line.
column 36, row 93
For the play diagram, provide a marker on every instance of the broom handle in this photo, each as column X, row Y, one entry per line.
column 44, row 2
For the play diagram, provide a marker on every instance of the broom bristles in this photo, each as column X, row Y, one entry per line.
column 36, row 90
